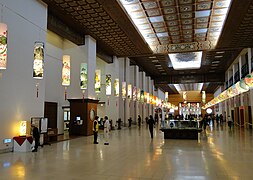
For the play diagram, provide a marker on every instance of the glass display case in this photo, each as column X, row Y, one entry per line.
column 181, row 129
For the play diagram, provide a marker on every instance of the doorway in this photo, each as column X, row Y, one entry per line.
column 50, row 112
column 233, row 115
column 250, row 117
column 241, row 117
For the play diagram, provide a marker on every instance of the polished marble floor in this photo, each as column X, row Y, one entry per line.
column 219, row 154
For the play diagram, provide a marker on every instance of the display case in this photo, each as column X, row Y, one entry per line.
column 181, row 129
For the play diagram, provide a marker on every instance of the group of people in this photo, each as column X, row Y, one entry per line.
column 209, row 120
column 107, row 128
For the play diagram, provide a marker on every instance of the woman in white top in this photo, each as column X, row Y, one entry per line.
column 106, row 130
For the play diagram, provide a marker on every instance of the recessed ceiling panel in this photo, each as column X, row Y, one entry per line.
column 181, row 61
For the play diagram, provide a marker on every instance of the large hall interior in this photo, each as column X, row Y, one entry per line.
column 174, row 78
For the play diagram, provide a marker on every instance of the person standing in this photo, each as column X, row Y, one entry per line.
column 36, row 136
column 151, row 123
column 229, row 122
column 95, row 130
column 106, row 130
column 139, row 120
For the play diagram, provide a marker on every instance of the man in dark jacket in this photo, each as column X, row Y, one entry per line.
column 151, row 124
column 36, row 136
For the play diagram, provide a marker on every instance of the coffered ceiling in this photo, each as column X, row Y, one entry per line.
column 148, row 30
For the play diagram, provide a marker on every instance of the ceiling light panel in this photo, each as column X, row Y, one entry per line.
column 156, row 19
column 191, row 60
column 171, row 18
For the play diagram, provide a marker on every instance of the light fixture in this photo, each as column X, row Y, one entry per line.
column 218, row 56
column 129, row 91
column 190, row 60
column 38, row 63
column 3, row 46
column 66, row 70
column 65, row 73
column 123, row 91
column 108, row 84
column 134, row 93
column 116, row 87
column 83, row 76
column 22, row 128
column 138, row 94
column 98, row 80
column 209, row 110
column 203, row 97
column 205, row 13
column 215, row 62
column 166, row 96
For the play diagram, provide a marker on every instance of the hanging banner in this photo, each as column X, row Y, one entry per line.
column 66, row 70
column 148, row 100
column 83, row 76
column 145, row 96
column 142, row 96
column 166, row 96
column 38, row 63
column 249, row 80
column 203, row 96
column 123, row 90
column 3, row 46
column 138, row 94
column 129, row 91
column 116, row 87
column 134, row 93
column 154, row 100
column 108, row 84
column 98, row 81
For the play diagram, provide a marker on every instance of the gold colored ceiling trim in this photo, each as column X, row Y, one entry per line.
column 183, row 47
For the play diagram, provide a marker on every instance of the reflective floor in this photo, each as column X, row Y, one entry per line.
column 219, row 154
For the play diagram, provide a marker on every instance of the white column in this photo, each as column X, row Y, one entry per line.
column 149, row 91
column 140, row 104
column 132, row 103
column 90, row 45
column 249, row 59
column 233, row 73
column 111, row 102
column 136, row 84
column 152, row 92
column 127, row 74
column 89, row 57
column 122, row 102
column 240, row 67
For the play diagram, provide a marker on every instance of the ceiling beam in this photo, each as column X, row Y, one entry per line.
column 184, row 79
column 57, row 26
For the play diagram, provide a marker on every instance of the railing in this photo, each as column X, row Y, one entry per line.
column 252, row 64
column 245, row 70
column 237, row 77
column 231, row 81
